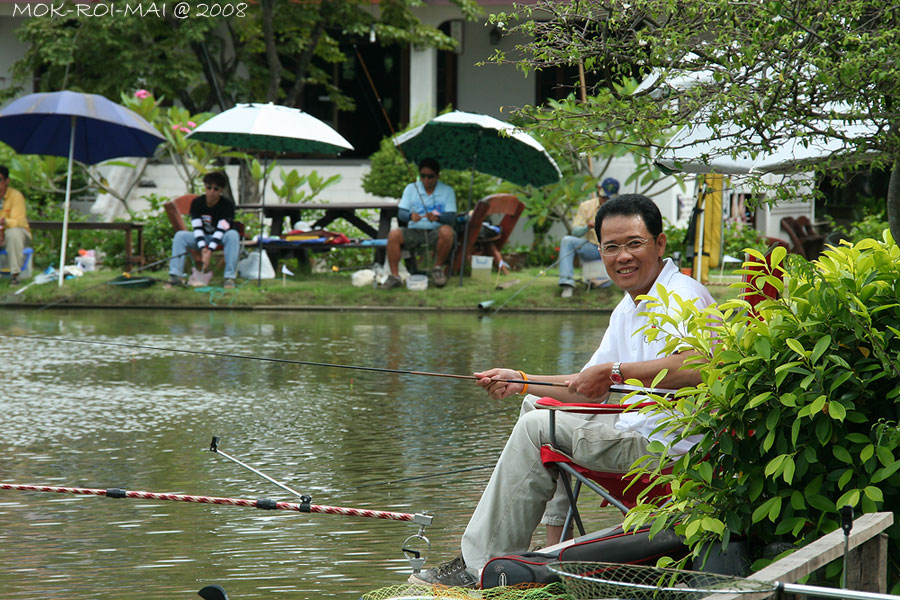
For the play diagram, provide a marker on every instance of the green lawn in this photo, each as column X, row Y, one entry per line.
column 535, row 290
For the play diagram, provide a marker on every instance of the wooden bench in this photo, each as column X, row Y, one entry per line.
column 806, row 241
column 867, row 564
column 130, row 257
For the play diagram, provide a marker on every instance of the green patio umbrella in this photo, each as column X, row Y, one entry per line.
column 461, row 141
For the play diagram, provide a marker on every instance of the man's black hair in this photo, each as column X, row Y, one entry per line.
column 216, row 178
column 4, row 171
column 430, row 163
column 628, row 205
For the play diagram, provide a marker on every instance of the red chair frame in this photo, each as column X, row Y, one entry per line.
column 616, row 489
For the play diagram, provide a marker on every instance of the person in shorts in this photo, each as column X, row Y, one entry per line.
column 428, row 207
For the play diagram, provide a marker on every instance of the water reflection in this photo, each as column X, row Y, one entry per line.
column 138, row 418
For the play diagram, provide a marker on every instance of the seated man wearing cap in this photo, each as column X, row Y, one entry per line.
column 583, row 241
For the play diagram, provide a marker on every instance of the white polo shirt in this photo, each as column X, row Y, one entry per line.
column 622, row 342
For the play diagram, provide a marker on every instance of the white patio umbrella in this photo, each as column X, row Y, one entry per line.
column 698, row 149
column 270, row 128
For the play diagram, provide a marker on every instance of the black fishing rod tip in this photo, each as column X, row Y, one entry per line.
column 214, row 444
column 213, row 592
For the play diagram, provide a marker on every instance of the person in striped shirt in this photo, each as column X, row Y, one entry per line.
column 212, row 227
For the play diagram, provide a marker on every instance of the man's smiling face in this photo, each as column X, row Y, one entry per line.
column 634, row 270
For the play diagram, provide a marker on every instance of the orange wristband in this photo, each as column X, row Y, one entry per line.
column 524, row 389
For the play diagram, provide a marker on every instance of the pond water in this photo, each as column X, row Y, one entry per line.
column 101, row 416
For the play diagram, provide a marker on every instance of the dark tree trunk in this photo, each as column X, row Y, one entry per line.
column 272, row 60
column 295, row 96
column 893, row 201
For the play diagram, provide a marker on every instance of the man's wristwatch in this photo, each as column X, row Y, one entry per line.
column 616, row 375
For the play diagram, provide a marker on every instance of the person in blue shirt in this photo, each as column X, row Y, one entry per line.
column 428, row 206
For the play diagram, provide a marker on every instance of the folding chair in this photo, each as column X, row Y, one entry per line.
column 616, row 488
column 488, row 245
column 178, row 211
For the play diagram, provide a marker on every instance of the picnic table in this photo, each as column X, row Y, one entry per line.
column 278, row 250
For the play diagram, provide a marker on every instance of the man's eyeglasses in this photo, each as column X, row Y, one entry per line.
column 427, row 175
column 632, row 246
column 214, row 188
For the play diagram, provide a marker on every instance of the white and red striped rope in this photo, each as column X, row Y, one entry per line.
column 313, row 508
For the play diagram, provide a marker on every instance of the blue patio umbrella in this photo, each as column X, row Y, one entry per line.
column 84, row 127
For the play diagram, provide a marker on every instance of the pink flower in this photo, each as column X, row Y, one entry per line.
column 191, row 124
column 141, row 94
column 185, row 129
column 176, row 127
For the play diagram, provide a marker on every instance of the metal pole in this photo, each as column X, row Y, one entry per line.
column 62, row 250
column 214, row 447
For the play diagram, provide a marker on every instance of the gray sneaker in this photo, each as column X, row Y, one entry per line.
column 438, row 277
column 566, row 291
column 390, row 283
column 173, row 282
column 450, row 574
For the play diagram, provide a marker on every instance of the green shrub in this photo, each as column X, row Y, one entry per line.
column 798, row 409
column 871, row 226
column 391, row 173
column 738, row 236
column 47, row 243
column 157, row 236
column 675, row 237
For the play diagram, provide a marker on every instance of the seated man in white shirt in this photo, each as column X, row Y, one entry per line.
column 521, row 490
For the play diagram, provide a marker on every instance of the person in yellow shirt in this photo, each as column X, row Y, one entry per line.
column 14, row 229
column 583, row 241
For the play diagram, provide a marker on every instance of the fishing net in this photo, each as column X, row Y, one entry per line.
column 527, row 591
column 585, row 580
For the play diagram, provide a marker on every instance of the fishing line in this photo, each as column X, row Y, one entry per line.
column 442, row 474
column 540, row 274
column 102, row 283
column 278, row 360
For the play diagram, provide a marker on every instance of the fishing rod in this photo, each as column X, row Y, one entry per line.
column 280, row 360
column 262, row 503
column 102, row 283
column 375, row 91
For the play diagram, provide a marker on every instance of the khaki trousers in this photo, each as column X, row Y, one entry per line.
column 16, row 240
column 520, row 489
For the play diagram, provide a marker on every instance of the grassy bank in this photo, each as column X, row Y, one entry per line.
column 327, row 290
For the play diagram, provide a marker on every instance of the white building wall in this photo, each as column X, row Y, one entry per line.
column 490, row 88
column 422, row 84
column 163, row 180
